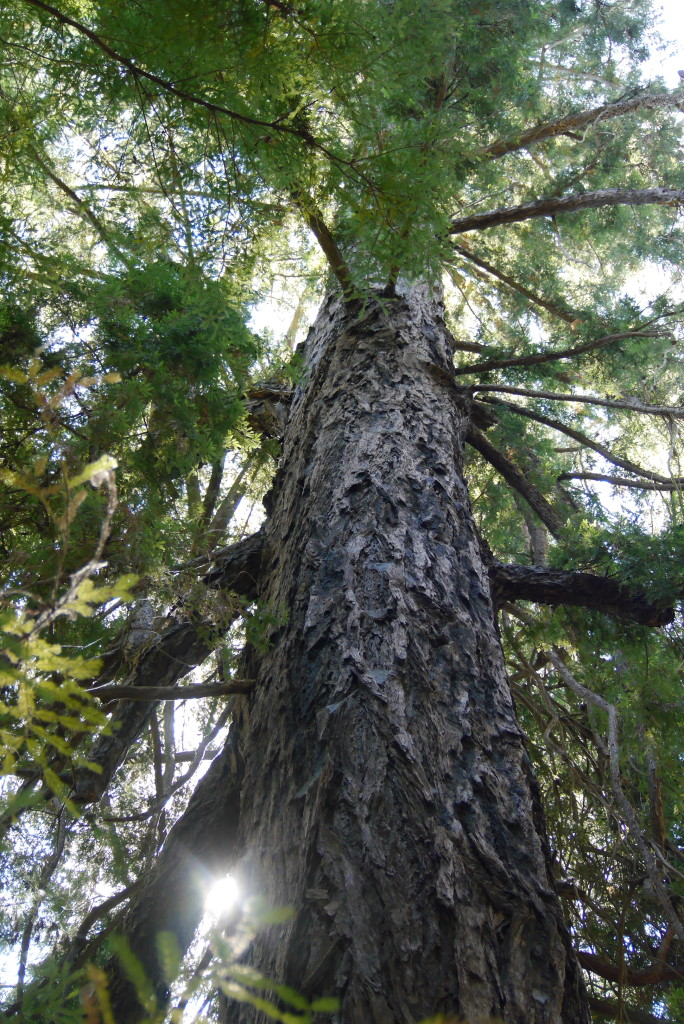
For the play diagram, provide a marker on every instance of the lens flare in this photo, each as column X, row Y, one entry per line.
column 222, row 897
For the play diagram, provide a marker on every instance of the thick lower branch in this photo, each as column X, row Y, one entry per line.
column 608, row 1010
column 656, row 974
column 553, row 586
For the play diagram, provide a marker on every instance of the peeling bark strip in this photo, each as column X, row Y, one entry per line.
column 553, row 586
column 387, row 795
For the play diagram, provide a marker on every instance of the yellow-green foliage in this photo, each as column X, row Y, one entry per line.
column 45, row 710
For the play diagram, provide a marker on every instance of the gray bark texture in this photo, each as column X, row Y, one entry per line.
column 386, row 793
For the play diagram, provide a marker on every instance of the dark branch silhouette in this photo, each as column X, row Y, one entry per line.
column 656, row 974
column 506, row 279
column 516, row 479
column 538, row 358
column 588, row 442
column 585, row 590
column 676, row 484
column 181, row 646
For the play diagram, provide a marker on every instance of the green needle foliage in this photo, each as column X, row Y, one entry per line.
column 169, row 167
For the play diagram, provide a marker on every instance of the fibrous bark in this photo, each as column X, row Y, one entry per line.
column 387, row 795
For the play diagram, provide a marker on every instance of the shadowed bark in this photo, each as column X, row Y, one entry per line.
column 200, row 848
column 385, row 790
column 387, row 795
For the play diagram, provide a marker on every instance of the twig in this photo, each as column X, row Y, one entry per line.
column 629, row 815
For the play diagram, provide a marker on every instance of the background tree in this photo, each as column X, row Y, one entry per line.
column 164, row 169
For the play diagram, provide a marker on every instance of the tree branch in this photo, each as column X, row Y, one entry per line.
column 611, row 750
column 620, row 481
column 588, row 442
column 516, row 479
column 583, row 119
column 555, row 206
column 155, row 693
column 182, row 646
column 630, row 404
column 656, row 974
column 216, row 108
column 82, row 208
column 506, row 279
column 328, row 245
column 566, row 353
column 619, row 1012
column 542, row 585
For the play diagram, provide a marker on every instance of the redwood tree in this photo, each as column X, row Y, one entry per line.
column 479, row 189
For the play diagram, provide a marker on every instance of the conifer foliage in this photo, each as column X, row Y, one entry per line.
column 170, row 168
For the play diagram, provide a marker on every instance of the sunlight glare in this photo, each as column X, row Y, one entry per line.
column 222, row 897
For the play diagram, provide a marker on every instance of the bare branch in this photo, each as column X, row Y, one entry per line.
column 630, row 404
column 506, row 279
column 582, row 589
column 583, row 439
column 516, row 479
column 583, row 119
column 196, row 759
column 555, row 206
column 566, row 353
column 181, row 646
column 654, row 871
column 676, row 484
column 328, row 245
column 82, row 208
column 78, row 943
column 155, row 693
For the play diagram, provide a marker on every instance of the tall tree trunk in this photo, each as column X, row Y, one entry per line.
column 387, row 795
